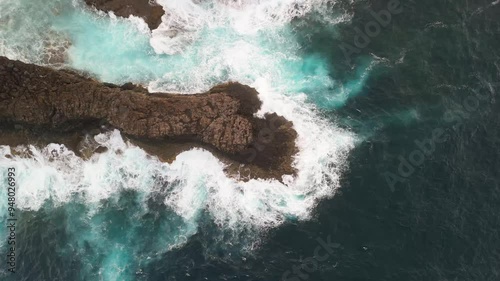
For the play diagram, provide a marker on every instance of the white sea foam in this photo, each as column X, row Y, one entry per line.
column 54, row 173
column 184, row 20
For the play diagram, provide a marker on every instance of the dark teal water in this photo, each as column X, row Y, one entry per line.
column 436, row 218
column 441, row 222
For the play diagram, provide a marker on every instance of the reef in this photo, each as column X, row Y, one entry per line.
column 145, row 9
column 63, row 104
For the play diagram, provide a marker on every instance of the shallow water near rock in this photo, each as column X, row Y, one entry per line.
column 124, row 215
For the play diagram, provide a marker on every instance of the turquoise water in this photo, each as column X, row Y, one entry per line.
column 219, row 52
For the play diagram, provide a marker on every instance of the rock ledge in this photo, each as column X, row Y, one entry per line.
column 221, row 120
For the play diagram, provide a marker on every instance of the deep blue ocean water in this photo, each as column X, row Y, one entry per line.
column 399, row 164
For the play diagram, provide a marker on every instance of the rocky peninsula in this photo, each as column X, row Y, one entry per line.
column 145, row 9
column 38, row 101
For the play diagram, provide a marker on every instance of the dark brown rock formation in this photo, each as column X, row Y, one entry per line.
column 151, row 13
column 220, row 119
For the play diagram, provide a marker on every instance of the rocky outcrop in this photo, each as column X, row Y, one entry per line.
column 145, row 9
column 220, row 119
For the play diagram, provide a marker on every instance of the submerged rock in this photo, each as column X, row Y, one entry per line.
column 220, row 119
column 55, row 48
